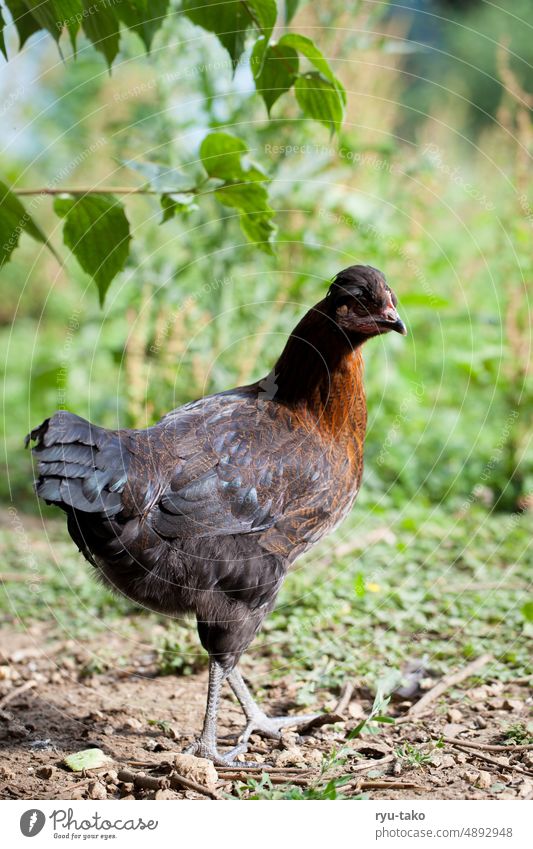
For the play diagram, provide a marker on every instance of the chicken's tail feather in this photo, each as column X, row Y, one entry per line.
column 81, row 467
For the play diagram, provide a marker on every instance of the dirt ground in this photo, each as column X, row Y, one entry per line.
column 141, row 720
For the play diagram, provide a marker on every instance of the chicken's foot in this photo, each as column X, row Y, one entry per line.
column 256, row 719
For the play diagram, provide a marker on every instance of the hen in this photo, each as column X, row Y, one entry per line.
column 205, row 511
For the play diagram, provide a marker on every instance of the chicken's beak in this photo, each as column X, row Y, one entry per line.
column 392, row 320
column 399, row 326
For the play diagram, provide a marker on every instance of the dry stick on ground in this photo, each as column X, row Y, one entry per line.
column 487, row 747
column 373, row 764
column 337, row 714
column 476, row 754
column 17, row 692
column 175, row 781
column 390, row 785
column 445, row 683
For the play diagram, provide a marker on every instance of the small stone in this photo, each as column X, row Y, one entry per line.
column 471, row 776
column 133, row 722
column 129, row 798
column 479, row 722
column 447, row 761
column 96, row 790
column 198, row 769
column 460, row 758
column 291, row 757
column 454, row 715
column 165, row 794
column 111, row 776
column 44, row 772
column 484, row 780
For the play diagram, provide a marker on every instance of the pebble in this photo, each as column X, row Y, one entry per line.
column 484, row 781
column 45, row 772
column 165, row 794
column 454, row 715
column 291, row 757
column 96, row 790
column 133, row 722
column 198, row 769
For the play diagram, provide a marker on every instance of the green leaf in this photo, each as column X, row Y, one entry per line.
column 145, row 17
column 97, row 232
column 101, row 26
column 227, row 19
column 383, row 719
column 359, row 585
column 319, row 99
column 2, row 39
column 259, row 229
column 309, row 49
column 527, row 611
column 221, row 155
column 251, row 199
column 44, row 14
column 24, row 21
column 87, row 759
column 69, row 12
column 13, row 221
column 265, row 12
column 176, row 202
column 225, row 156
column 275, row 70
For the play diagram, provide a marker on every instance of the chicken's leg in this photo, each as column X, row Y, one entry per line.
column 206, row 744
column 256, row 719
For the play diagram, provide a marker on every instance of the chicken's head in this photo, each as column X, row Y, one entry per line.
column 360, row 302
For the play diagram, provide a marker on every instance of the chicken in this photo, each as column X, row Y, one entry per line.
column 204, row 512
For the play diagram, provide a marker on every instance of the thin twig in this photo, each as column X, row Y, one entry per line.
column 489, row 760
column 390, row 785
column 488, row 747
column 336, row 715
column 373, row 764
column 17, row 692
column 175, row 781
column 446, row 682
column 345, row 698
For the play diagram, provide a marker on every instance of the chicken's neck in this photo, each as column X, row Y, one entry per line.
column 321, row 370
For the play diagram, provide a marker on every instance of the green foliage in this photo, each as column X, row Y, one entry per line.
column 98, row 233
column 275, row 69
column 243, row 186
column 14, row 220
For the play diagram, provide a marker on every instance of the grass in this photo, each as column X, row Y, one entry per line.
column 439, row 590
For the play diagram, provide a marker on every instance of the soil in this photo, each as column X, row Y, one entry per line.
column 50, row 708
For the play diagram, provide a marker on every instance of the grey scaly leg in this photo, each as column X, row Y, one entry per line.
column 256, row 718
column 206, row 744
